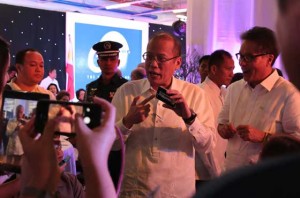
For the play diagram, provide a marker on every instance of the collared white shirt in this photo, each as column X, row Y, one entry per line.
column 36, row 89
column 273, row 106
column 216, row 97
column 47, row 81
column 160, row 150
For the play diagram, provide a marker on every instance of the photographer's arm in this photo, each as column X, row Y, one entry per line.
column 40, row 171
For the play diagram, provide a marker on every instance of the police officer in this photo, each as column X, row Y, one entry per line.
column 109, row 81
column 105, row 87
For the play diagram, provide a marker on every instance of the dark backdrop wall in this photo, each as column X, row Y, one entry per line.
column 39, row 29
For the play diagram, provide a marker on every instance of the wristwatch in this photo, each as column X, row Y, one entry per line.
column 191, row 119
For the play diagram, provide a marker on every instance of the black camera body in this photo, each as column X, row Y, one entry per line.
column 48, row 109
column 162, row 95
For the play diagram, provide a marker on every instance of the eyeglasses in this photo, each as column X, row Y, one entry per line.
column 248, row 57
column 159, row 59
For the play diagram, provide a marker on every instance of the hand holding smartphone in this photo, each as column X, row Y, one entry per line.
column 162, row 95
column 47, row 109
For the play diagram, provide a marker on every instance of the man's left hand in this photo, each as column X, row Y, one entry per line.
column 181, row 108
column 249, row 133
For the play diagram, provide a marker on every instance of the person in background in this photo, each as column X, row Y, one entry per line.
column 109, row 81
column 220, row 73
column 12, row 73
column 236, row 77
column 203, row 67
column 80, row 94
column 105, row 87
column 14, row 150
column 138, row 73
column 142, row 65
column 258, row 180
column 260, row 105
column 68, row 185
column 279, row 72
column 63, row 95
column 161, row 140
column 280, row 145
column 119, row 72
column 51, row 78
column 30, row 66
column 53, row 88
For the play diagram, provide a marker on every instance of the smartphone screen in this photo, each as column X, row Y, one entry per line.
column 25, row 100
column 46, row 110
column 17, row 109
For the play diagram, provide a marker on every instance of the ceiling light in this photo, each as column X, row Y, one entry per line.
column 123, row 5
column 119, row 5
column 179, row 10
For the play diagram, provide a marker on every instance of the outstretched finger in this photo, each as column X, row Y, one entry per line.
column 147, row 100
column 134, row 102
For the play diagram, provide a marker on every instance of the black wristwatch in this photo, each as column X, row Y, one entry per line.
column 191, row 119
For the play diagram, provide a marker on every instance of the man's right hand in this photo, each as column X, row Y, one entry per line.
column 226, row 131
column 137, row 112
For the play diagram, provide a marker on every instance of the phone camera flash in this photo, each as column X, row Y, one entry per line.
column 86, row 120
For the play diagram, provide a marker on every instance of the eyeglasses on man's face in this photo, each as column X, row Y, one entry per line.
column 248, row 57
column 147, row 56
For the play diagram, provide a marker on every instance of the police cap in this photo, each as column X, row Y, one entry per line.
column 107, row 48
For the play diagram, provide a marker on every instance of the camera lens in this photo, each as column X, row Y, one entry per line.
column 86, row 120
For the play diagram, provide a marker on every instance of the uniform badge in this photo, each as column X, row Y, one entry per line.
column 93, row 91
column 107, row 45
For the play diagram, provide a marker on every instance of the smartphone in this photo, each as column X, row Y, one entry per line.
column 48, row 109
column 162, row 95
column 64, row 161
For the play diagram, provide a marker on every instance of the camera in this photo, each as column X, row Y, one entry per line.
column 162, row 95
column 48, row 109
